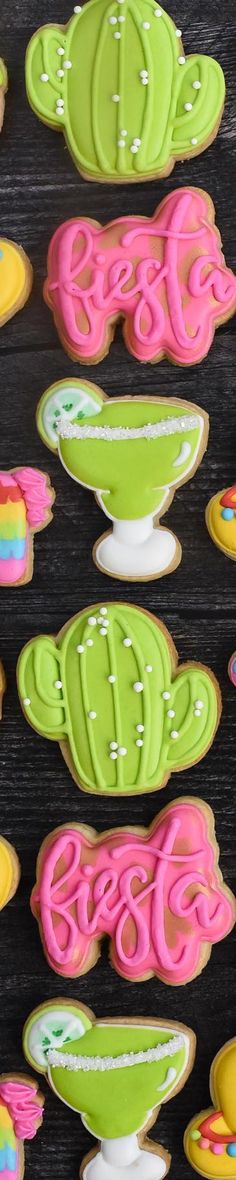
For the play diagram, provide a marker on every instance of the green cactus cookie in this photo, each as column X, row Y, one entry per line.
column 109, row 690
column 116, row 81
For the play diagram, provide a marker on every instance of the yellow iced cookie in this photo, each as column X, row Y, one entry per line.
column 9, row 872
column 16, row 278
column 221, row 521
column 210, row 1138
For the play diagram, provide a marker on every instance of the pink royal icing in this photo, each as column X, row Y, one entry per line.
column 157, row 896
column 22, row 1107
column 165, row 276
column 36, row 493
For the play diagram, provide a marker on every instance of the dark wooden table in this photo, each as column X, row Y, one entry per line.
column 39, row 189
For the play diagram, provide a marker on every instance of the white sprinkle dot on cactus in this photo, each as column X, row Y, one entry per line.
column 103, row 610
column 134, row 149
column 145, row 24
column 120, row 1
column 158, row 12
column 57, row 683
column 197, row 712
column 121, row 19
column 111, row 679
column 137, row 142
column 103, row 631
column 113, row 755
column 127, row 642
column 92, row 714
column 188, row 106
column 138, row 686
column 80, row 648
column 121, row 143
column 197, row 85
column 174, row 734
column 140, row 728
column 145, row 81
column 170, row 713
column 117, row 36
column 60, row 73
column 59, row 110
column 60, row 102
column 60, row 51
column 123, row 132
column 89, row 642
column 92, row 621
column 199, row 704
column 139, row 742
column 178, row 32
column 148, row 667
column 67, row 65
column 115, row 97
column 44, row 77
column 166, row 696
column 122, row 751
column 26, row 701
column 77, row 8
column 112, row 20
column 181, row 60
column 143, row 73
column 113, row 745
column 194, row 140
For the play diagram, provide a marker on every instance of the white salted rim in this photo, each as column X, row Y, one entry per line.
column 76, row 1062
column 124, row 433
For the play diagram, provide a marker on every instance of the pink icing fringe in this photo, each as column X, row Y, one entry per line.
column 24, row 1111
column 37, row 496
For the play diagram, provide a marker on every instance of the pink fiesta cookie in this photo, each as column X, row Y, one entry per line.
column 158, row 894
column 166, row 277
column 26, row 499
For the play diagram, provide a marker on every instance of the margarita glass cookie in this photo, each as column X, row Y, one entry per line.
column 109, row 690
column 164, row 276
column 16, row 277
column 21, row 1113
column 3, row 89
column 157, row 893
column 116, row 1073
column 26, row 499
column 210, row 1138
column 221, row 521
column 95, row 80
column 9, row 873
column 139, row 449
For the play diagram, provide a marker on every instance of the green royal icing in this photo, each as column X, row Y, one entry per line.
column 136, row 473
column 62, row 713
column 102, row 60
column 118, row 1102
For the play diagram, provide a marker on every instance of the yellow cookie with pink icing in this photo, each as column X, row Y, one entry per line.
column 16, row 274
column 210, row 1138
column 221, row 521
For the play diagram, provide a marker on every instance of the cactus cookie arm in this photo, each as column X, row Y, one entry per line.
column 199, row 104
column 197, row 707
column 45, row 75
column 38, row 678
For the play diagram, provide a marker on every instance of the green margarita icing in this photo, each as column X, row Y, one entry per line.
column 136, row 472
column 110, row 678
column 116, row 81
column 112, row 1102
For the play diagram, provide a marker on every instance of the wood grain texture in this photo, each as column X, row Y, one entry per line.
column 39, row 187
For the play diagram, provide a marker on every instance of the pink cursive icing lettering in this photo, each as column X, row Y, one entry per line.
column 159, row 897
column 166, row 277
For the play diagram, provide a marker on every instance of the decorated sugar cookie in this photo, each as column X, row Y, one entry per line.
column 26, row 499
column 21, row 1113
column 3, row 89
column 9, row 874
column 232, row 669
column 110, row 691
column 138, row 450
column 210, row 1138
column 16, row 277
column 164, row 276
column 116, row 81
column 221, row 521
column 158, row 894
column 116, row 1073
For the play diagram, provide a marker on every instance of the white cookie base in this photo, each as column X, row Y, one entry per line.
column 123, row 1159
